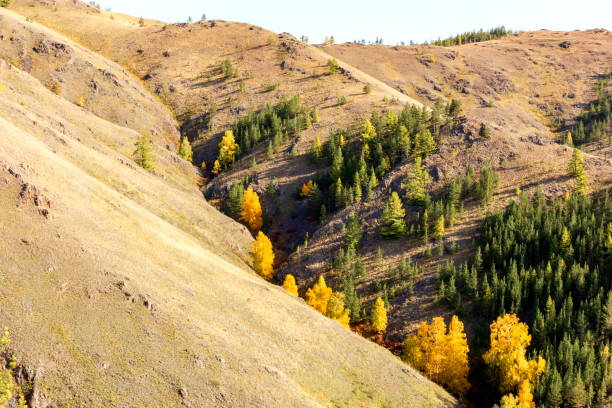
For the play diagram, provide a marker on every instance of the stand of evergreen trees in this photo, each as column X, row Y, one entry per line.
column 551, row 264
column 474, row 36
column 275, row 123
column 595, row 123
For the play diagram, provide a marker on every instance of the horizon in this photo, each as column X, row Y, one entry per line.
column 391, row 20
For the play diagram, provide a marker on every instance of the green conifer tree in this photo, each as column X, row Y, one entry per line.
column 185, row 150
column 415, row 183
column 143, row 155
column 393, row 224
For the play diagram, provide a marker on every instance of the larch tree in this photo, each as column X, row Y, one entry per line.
column 143, row 155
column 317, row 149
column 216, row 167
column 425, row 349
column 227, row 149
column 306, row 188
column 185, row 151
column 251, row 210
column 393, row 223
column 507, row 355
column 289, row 285
column 455, row 372
column 318, row 296
column 336, row 309
column 378, row 315
column 440, row 354
column 415, row 183
column 263, row 256
column 368, row 132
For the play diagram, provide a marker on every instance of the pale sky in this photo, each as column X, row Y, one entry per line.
column 393, row 20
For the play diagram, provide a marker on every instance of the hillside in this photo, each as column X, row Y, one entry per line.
column 526, row 88
column 125, row 288
column 198, row 80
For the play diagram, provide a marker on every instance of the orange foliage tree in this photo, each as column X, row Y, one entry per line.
column 440, row 354
column 251, row 210
column 306, row 188
column 263, row 256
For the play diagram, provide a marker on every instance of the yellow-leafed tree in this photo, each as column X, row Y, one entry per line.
column 227, row 149
column 507, row 356
column 216, row 167
column 251, row 210
column 456, row 348
column 379, row 315
column 336, row 310
column 440, row 355
column 306, row 188
column 368, row 132
column 263, row 256
column 289, row 285
column 318, row 296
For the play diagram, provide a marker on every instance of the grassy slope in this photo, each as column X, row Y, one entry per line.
column 515, row 85
column 127, row 290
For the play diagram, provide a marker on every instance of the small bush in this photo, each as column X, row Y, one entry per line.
column 5, row 3
column 333, row 66
column 367, row 89
column 342, row 100
column 55, row 87
column 272, row 86
column 80, row 102
column 227, row 69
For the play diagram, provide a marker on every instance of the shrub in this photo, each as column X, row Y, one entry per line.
column 333, row 66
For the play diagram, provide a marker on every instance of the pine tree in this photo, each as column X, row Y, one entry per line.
column 484, row 131
column 315, row 116
column 232, row 206
column 575, row 163
column 487, row 185
column 415, row 183
column 289, row 285
column 438, row 231
column 143, row 155
column 424, row 144
column 251, row 210
column 318, row 296
column 185, row 151
column 263, row 256
column 378, row 315
column 393, row 224
column 506, row 357
column 576, row 169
